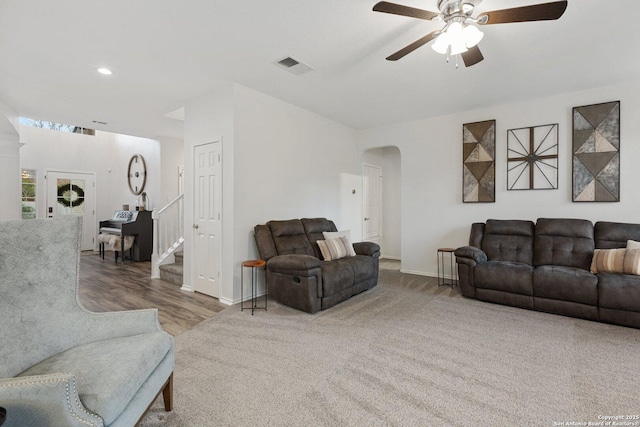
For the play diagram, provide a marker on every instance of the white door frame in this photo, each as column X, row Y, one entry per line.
column 365, row 196
column 194, row 270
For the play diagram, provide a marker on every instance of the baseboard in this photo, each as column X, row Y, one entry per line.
column 226, row 301
column 418, row 273
column 237, row 301
column 392, row 258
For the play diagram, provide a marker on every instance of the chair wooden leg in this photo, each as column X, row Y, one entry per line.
column 167, row 394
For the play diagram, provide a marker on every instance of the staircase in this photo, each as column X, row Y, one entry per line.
column 173, row 272
column 168, row 237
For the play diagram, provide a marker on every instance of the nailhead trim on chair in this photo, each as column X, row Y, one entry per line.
column 68, row 394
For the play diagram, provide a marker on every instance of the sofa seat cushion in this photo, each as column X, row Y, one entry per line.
column 362, row 266
column 110, row 372
column 565, row 284
column 619, row 291
column 506, row 276
column 337, row 275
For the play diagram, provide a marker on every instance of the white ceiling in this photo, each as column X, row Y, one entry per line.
column 165, row 52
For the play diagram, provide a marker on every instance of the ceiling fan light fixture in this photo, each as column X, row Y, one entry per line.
column 457, row 39
column 441, row 45
column 472, row 35
column 467, row 8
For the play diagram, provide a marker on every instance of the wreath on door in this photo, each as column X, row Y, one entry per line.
column 70, row 195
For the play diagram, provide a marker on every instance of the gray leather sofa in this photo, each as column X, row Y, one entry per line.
column 62, row 365
column 546, row 266
column 298, row 277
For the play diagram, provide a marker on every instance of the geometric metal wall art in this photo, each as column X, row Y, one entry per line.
column 596, row 153
column 478, row 159
column 532, row 158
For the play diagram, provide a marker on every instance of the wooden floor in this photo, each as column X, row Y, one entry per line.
column 107, row 286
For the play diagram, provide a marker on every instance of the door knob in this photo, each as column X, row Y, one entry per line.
column 196, row 226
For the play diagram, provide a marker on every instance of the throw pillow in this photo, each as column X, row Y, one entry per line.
column 328, row 235
column 625, row 261
column 632, row 244
column 334, row 248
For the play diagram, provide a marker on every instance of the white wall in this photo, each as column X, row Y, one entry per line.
column 279, row 162
column 209, row 118
column 172, row 160
column 105, row 154
column 10, row 192
column 392, row 203
column 433, row 214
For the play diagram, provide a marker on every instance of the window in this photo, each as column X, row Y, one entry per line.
column 24, row 121
column 28, row 194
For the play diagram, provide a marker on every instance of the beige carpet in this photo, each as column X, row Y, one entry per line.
column 402, row 354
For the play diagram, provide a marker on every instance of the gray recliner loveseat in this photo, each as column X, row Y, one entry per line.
column 62, row 365
column 298, row 276
column 546, row 266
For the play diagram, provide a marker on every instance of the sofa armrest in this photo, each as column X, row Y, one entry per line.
column 114, row 324
column 41, row 400
column 293, row 264
column 467, row 257
column 367, row 248
column 470, row 253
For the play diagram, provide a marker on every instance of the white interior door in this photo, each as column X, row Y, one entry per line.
column 207, row 224
column 372, row 203
column 71, row 193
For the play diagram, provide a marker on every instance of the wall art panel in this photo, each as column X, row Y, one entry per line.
column 478, row 160
column 532, row 158
column 596, row 153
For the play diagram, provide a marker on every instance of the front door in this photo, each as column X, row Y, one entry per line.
column 70, row 193
column 207, row 224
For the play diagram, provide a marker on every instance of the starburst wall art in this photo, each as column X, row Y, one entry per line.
column 532, row 158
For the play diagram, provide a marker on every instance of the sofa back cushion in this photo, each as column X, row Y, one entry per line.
column 314, row 227
column 508, row 240
column 565, row 242
column 289, row 237
column 264, row 242
column 611, row 235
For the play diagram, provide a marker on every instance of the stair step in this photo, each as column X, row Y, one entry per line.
column 179, row 256
column 172, row 273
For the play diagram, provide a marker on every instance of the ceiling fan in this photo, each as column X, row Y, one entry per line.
column 459, row 35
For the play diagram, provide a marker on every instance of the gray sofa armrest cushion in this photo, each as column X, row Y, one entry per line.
column 293, row 264
column 470, row 253
column 367, row 248
column 45, row 400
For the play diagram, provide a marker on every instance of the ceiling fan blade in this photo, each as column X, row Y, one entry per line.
column 536, row 12
column 398, row 9
column 413, row 46
column 472, row 56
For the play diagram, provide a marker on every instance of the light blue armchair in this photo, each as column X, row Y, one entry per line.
column 61, row 365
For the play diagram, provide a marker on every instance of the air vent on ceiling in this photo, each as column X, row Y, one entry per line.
column 293, row 65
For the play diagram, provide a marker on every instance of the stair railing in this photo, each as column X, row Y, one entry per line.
column 168, row 233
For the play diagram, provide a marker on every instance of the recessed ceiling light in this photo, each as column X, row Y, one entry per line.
column 105, row 71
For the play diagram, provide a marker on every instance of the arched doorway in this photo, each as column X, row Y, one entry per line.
column 382, row 200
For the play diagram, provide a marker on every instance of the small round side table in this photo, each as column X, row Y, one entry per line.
column 441, row 267
column 254, row 264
